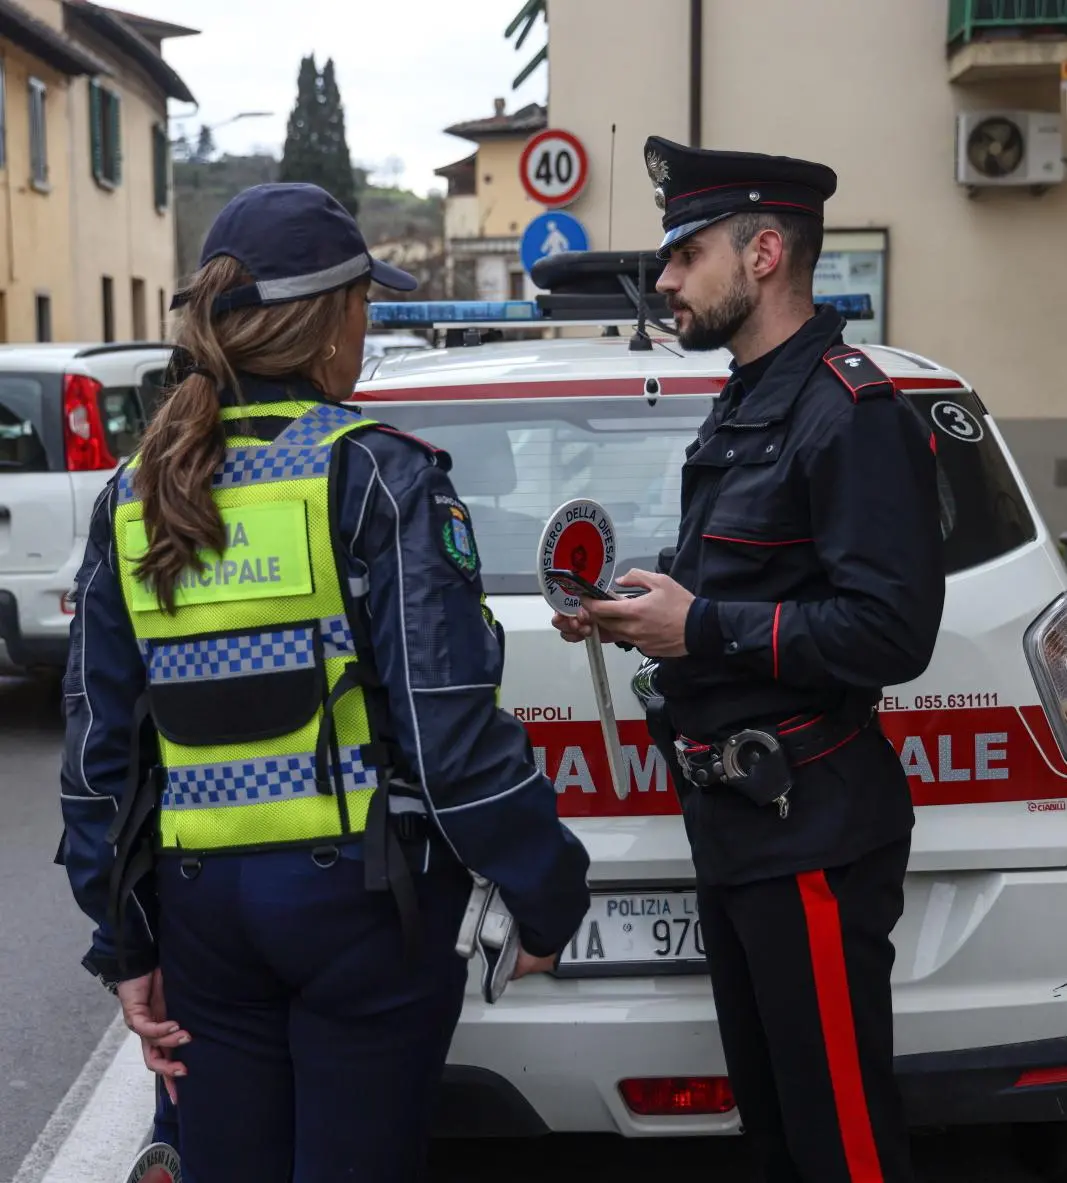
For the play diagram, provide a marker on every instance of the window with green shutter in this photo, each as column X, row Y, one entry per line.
column 105, row 130
column 160, row 165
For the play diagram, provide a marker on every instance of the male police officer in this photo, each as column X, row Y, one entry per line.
column 808, row 575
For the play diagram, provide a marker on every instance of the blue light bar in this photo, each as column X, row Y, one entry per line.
column 431, row 312
column 851, row 307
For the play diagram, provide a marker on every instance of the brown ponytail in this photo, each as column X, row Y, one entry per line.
column 185, row 442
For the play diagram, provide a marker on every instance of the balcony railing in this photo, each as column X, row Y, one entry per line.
column 968, row 19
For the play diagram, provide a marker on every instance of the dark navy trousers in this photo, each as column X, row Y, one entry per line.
column 316, row 1047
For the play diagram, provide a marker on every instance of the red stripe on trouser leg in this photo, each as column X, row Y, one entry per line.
column 838, row 1028
column 774, row 636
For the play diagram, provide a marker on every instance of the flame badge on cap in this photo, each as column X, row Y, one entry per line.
column 660, row 174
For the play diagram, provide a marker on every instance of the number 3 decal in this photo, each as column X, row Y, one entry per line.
column 957, row 422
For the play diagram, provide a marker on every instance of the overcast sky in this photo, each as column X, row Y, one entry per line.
column 406, row 69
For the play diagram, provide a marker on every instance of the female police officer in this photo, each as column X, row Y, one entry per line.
column 289, row 598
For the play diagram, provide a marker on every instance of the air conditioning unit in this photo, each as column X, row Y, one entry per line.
column 1009, row 148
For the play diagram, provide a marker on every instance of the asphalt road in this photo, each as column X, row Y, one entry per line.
column 52, row 1015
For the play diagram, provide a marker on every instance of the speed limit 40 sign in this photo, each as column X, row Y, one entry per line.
column 554, row 167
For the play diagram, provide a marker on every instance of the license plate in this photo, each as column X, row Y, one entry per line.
column 637, row 933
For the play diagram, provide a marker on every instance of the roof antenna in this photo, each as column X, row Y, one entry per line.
column 611, row 330
column 611, row 186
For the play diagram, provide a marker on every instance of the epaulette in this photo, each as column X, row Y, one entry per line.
column 439, row 457
column 858, row 374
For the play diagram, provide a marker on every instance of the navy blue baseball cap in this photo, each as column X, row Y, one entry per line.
column 296, row 241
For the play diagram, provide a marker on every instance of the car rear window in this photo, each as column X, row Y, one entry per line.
column 22, row 430
column 983, row 511
column 515, row 463
column 153, row 385
column 123, row 418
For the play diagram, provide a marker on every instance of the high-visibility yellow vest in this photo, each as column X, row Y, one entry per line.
column 254, row 682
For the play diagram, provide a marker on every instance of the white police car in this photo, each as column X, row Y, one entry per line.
column 624, row 1037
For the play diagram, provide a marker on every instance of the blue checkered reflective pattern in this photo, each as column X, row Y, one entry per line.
column 252, row 782
column 296, row 454
column 337, row 638
column 244, row 466
column 264, row 465
column 315, row 425
column 231, row 657
column 124, row 488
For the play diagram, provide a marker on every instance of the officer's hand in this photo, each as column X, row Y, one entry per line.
column 580, row 628
column 654, row 623
column 529, row 964
column 144, row 1010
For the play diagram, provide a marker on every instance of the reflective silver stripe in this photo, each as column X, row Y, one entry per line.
column 359, row 585
column 271, row 290
column 406, row 805
column 251, row 782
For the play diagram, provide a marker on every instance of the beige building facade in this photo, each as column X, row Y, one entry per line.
column 486, row 207
column 38, row 67
column 968, row 275
column 88, row 244
column 123, row 218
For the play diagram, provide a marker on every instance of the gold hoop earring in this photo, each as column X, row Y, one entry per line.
column 332, row 354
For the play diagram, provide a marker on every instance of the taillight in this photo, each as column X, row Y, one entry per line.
column 1037, row 1078
column 1045, row 645
column 83, row 429
column 676, row 1096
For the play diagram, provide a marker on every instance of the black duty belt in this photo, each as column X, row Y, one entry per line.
column 758, row 762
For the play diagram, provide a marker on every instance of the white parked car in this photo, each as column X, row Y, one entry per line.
column 68, row 415
column 623, row 1037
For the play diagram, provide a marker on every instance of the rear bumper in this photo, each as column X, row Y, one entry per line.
column 47, row 649
column 979, row 1000
column 982, row 1086
column 977, row 1087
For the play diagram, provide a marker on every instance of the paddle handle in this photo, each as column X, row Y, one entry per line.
column 605, row 709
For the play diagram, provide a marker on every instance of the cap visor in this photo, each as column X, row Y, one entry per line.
column 680, row 233
column 392, row 277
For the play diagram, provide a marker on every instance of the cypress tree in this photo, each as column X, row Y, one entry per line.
column 316, row 150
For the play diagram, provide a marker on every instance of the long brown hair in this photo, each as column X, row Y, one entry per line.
column 185, row 442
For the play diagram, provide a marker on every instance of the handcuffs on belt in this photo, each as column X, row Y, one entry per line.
column 752, row 762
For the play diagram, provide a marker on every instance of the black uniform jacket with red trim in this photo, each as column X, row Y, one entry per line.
column 811, row 536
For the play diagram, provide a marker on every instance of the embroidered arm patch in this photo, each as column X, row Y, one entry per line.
column 455, row 534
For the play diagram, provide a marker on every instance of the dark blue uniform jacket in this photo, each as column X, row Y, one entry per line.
column 439, row 656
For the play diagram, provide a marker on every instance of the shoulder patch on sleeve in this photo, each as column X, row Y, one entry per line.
column 455, row 533
column 858, row 374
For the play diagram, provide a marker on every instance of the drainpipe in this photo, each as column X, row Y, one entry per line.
column 696, row 70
